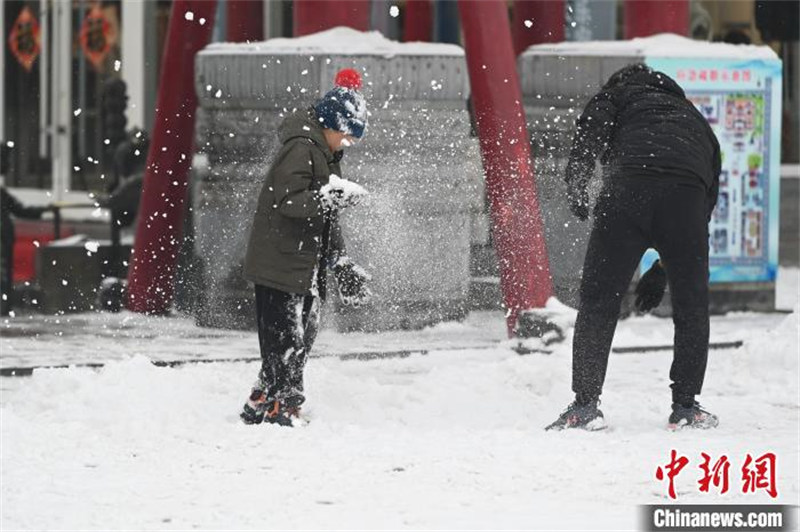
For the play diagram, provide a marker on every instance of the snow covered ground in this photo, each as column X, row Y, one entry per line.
column 449, row 439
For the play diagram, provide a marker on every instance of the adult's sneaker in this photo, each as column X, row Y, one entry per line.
column 579, row 416
column 691, row 416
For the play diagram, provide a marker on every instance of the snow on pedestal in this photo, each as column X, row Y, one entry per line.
column 341, row 41
column 661, row 45
column 417, row 159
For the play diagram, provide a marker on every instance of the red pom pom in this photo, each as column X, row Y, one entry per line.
column 348, row 78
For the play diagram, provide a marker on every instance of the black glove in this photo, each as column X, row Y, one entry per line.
column 650, row 289
column 578, row 201
column 333, row 199
column 340, row 193
column 351, row 282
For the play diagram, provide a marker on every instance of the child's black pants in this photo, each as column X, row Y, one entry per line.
column 287, row 328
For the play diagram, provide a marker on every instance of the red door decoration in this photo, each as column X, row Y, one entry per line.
column 95, row 36
column 24, row 39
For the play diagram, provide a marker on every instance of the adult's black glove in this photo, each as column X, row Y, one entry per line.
column 578, row 201
column 351, row 282
column 650, row 289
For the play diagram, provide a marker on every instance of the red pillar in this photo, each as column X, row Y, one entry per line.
column 545, row 22
column 162, row 209
column 517, row 227
column 245, row 20
column 311, row 16
column 418, row 23
column 647, row 17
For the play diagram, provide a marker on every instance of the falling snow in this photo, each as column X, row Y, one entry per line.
column 448, row 435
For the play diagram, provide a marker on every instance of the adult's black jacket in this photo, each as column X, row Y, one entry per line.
column 642, row 126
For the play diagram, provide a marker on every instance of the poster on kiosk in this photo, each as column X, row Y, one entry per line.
column 741, row 99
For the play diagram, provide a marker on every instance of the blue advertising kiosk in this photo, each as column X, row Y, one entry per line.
column 741, row 100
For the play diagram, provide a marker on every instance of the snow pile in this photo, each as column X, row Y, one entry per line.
column 539, row 329
column 774, row 351
column 661, row 45
column 562, row 315
column 340, row 41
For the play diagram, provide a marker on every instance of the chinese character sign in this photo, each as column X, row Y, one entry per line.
column 741, row 99
column 24, row 39
column 96, row 36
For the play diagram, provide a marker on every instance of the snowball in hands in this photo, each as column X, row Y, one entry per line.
column 340, row 193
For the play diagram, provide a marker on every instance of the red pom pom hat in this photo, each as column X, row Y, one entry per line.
column 343, row 108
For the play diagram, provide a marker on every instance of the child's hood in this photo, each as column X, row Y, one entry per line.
column 305, row 125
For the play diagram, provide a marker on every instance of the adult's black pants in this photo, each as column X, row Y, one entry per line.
column 287, row 328
column 632, row 215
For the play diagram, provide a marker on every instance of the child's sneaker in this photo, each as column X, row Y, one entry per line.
column 283, row 414
column 291, row 398
column 255, row 408
column 281, row 410
column 580, row 416
column 692, row 416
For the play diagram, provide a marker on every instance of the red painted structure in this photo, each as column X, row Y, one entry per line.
column 647, row 17
column 244, row 20
column 418, row 23
column 546, row 20
column 517, row 227
column 311, row 16
column 29, row 236
column 159, row 230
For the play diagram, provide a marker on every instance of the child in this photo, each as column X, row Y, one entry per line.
column 295, row 237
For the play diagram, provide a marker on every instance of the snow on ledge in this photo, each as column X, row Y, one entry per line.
column 339, row 41
column 661, row 45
